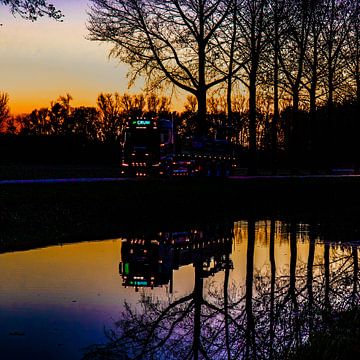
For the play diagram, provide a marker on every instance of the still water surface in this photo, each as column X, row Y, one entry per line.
column 229, row 290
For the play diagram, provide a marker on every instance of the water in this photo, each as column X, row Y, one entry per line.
column 228, row 290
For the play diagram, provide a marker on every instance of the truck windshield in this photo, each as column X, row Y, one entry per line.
column 142, row 138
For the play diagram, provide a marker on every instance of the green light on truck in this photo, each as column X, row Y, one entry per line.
column 138, row 283
column 141, row 122
column 126, row 268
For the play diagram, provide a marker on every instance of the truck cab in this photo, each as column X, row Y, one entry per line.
column 147, row 145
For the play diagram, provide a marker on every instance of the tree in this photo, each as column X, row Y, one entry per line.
column 251, row 23
column 292, row 54
column 32, row 9
column 313, row 69
column 60, row 116
column 167, row 41
column 158, row 105
column 276, row 32
column 36, row 123
column 352, row 53
column 86, row 122
column 4, row 109
column 335, row 31
column 133, row 105
column 111, row 115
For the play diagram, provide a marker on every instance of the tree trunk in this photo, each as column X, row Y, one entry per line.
column 314, row 78
column 229, row 106
column 292, row 131
column 292, row 285
column 272, row 288
column 327, row 306
column 310, row 279
column 312, row 96
column 356, row 275
column 358, row 89
column 202, row 127
column 226, row 306
column 252, row 124
column 230, row 78
column 250, row 327
column 276, row 99
column 198, row 299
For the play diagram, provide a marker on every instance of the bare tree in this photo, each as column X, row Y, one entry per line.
column 277, row 31
column 314, row 69
column 111, row 114
column 157, row 105
column 352, row 49
column 334, row 34
column 32, row 9
column 4, row 109
column 251, row 23
column 60, row 115
column 292, row 54
column 167, row 41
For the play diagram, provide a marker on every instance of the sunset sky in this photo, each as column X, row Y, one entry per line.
column 42, row 60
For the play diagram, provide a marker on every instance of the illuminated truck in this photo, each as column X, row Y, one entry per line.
column 149, row 261
column 148, row 146
column 146, row 263
column 149, row 149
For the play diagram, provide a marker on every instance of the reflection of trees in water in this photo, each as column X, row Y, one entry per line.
column 297, row 304
column 269, row 316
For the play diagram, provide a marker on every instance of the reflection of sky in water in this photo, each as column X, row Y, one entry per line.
column 57, row 300
column 61, row 298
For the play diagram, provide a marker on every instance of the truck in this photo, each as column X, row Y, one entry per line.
column 151, row 147
column 149, row 260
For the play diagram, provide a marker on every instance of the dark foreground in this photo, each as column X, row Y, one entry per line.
column 297, row 297
column 34, row 215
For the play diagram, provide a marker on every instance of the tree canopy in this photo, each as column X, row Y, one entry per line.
column 167, row 41
column 32, row 9
column 4, row 108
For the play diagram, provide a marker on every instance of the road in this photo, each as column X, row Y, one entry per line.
column 120, row 179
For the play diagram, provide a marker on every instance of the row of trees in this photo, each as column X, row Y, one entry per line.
column 303, row 142
column 104, row 123
column 297, row 53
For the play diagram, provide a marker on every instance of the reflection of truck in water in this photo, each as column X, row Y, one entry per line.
column 149, row 149
column 144, row 263
column 150, row 261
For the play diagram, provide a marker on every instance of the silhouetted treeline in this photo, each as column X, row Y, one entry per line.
column 62, row 133
column 323, row 140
